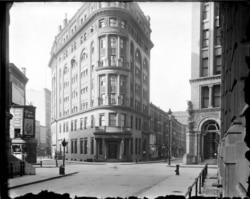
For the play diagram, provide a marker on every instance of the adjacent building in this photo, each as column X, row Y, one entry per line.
column 41, row 99
column 164, row 126
column 22, row 124
column 204, row 109
column 233, row 155
column 100, row 66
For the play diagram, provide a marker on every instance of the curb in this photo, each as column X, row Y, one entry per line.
column 38, row 181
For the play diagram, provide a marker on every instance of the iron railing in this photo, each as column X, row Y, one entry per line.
column 198, row 183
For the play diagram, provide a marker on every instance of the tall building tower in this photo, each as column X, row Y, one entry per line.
column 100, row 83
column 204, row 107
column 41, row 99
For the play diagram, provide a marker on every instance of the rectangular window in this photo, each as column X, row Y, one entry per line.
column 92, row 146
column 123, row 24
column 112, row 98
column 205, row 37
column 204, row 67
column 112, row 60
column 113, row 22
column 85, row 122
column 131, row 121
column 81, row 145
column 81, row 123
column 85, row 145
column 205, row 11
column 217, row 33
column 92, row 121
column 123, row 120
column 218, row 63
column 101, row 23
column 139, row 146
column 112, row 119
column 102, row 120
column 75, row 145
column 204, row 97
column 216, row 96
column 72, row 146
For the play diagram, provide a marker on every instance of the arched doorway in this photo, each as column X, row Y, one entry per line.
column 211, row 137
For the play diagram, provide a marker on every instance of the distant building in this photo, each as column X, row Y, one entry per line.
column 41, row 99
column 204, row 109
column 22, row 124
column 162, row 125
column 100, row 66
column 181, row 116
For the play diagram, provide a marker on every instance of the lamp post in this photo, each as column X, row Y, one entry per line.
column 56, row 142
column 169, row 136
column 64, row 144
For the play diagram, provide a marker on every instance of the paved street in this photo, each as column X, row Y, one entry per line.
column 110, row 179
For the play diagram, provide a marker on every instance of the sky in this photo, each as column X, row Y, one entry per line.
column 33, row 27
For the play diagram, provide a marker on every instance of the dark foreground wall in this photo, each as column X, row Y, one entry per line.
column 234, row 146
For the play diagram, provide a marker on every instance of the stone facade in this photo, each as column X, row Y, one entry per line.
column 233, row 159
column 100, row 64
column 204, row 107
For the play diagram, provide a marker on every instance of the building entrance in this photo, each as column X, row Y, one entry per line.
column 211, row 138
column 112, row 151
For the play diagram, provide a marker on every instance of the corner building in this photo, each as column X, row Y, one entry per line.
column 204, row 109
column 100, row 64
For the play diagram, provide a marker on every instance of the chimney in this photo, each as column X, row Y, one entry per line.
column 23, row 69
column 60, row 28
column 65, row 21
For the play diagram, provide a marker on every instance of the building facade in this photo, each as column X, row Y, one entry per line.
column 100, row 64
column 234, row 153
column 41, row 99
column 204, row 109
column 164, row 126
column 22, row 124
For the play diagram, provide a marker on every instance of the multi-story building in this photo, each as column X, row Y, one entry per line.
column 162, row 126
column 100, row 64
column 22, row 124
column 204, row 108
column 41, row 99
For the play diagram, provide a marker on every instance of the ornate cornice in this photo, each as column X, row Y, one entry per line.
column 209, row 78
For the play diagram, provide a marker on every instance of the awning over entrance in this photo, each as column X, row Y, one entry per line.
column 112, row 132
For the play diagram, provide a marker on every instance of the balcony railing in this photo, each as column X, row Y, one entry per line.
column 114, row 64
column 112, row 129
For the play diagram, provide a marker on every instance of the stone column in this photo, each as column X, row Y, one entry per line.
column 104, row 148
column 121, row 149
column 189, row 157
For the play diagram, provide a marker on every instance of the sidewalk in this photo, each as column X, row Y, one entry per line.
column 210, row 189
column 42, row 174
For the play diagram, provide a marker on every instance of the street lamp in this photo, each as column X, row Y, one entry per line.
column 64, row 144
column 56, row 142
column 169, row 137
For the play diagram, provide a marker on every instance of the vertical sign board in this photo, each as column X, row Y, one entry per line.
column 29, row 122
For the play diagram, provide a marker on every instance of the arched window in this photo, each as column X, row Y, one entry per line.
column 138, row 57
column 84, row 55
column 73, row 63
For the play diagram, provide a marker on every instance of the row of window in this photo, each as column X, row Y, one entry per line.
column 112, row 121
column 210, row 100
column 205, row 66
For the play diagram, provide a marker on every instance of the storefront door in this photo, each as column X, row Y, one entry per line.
column 112, row 151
